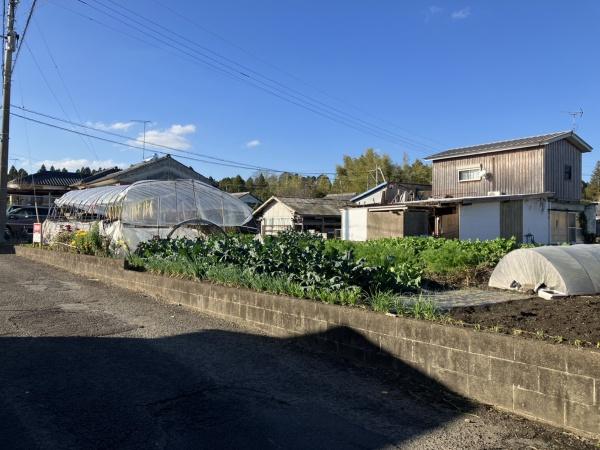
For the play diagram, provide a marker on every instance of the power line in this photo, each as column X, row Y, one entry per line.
column 248, row 69
column 137, row 140
column 245, row 77
column 61, row 78
column 216, row 64
column 239, row 166
column 283, row 71
column 219, row 162
column 33, row 3
column 35, row 61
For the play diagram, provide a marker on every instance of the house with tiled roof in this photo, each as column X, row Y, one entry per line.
column 156, row 168
column 42, row 187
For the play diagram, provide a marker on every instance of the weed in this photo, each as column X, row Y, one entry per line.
column 540, row 334
column 382, row 301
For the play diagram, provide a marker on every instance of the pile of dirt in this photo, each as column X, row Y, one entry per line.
column 571, row 318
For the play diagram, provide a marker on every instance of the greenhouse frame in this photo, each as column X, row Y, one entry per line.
column 149, row 209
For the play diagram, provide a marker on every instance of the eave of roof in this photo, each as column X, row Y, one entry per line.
column 371, row 191
column 292, row 204
column 513, row 144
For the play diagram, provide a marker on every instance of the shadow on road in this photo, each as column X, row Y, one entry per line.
column 211, row 389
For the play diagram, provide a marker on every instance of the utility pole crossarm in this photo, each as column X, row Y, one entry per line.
column 9, row 49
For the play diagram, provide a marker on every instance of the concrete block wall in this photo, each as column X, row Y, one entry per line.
column 557, row 384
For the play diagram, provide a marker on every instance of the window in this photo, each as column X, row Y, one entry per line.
column 574, row 227
column 469, row 174
column 568, row 171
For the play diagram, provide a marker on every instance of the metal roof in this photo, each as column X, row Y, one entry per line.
column 371, row 191
column 347, row 196
column 514, row 144
column 308, row 206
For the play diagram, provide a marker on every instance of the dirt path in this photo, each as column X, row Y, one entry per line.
column 84, row 365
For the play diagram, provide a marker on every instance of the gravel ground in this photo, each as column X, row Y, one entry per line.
column 85, row 365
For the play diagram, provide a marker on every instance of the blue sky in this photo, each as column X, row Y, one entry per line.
column 436, row 74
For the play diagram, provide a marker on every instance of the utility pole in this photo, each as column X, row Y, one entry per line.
column 9, row 48
column 145, row 122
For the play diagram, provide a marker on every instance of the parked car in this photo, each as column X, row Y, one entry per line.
column 19, row 221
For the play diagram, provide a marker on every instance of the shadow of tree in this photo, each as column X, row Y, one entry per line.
column 210, row 389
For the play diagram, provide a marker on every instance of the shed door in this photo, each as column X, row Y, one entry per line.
column 511, row 219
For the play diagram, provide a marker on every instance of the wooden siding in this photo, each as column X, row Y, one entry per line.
column 557, row 156
column 511, row 220
column 383, row 224
column 512, row 172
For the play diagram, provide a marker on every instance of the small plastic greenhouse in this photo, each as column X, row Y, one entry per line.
column 568, row 270
column 144, row 210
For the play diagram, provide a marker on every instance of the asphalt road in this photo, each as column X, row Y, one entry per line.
column 85, row 365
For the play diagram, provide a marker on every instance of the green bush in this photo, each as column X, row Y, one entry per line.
column 306, row 266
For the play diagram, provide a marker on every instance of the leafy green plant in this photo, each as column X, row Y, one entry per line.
column 382, row 301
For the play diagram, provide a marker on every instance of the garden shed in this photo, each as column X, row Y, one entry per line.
column 134, row 213
column 569, row 270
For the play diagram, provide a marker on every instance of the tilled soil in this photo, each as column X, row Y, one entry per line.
column 571, row 318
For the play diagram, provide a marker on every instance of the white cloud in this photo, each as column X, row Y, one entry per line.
column 74, row 164
column 461, row 13
column 116, row 126
column 175, row 136
column 253, row 143
column 435, row 9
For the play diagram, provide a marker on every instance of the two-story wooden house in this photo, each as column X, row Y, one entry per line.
column 529, row 188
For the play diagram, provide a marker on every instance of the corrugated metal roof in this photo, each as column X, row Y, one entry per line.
column 513, row 144
column 308, row 206
column 371, row 191
column 347, row 196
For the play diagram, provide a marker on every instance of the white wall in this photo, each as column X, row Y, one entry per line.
column 479, row 220
column 373, row 199
column 354, row 224
column 536, row 220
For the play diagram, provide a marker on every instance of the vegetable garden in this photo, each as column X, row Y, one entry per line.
column 303, row 265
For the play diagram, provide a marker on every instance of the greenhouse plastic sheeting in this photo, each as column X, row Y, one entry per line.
column 570, row 270
column 147, row 209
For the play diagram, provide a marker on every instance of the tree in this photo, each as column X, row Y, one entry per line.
column 322, row 186
column 42, row 169
column 52, row 169
column 358, row 174
column 416, row 172
column 592, row 190
column 13, row 173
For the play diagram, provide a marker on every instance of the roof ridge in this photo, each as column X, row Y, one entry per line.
column 509, row 140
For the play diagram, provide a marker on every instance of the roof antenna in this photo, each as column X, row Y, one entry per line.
column 574, row 115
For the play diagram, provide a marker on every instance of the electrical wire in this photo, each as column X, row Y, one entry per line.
column 140, row 141
column 33, row 3
column 35, row 61
column 250, row 70
column 123, row 144
column 286, row 72
column 218, row 65
column 61, row 78
column 264, row 171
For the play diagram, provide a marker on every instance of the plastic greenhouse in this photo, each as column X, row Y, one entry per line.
column 568, row 270
column 144, row 210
